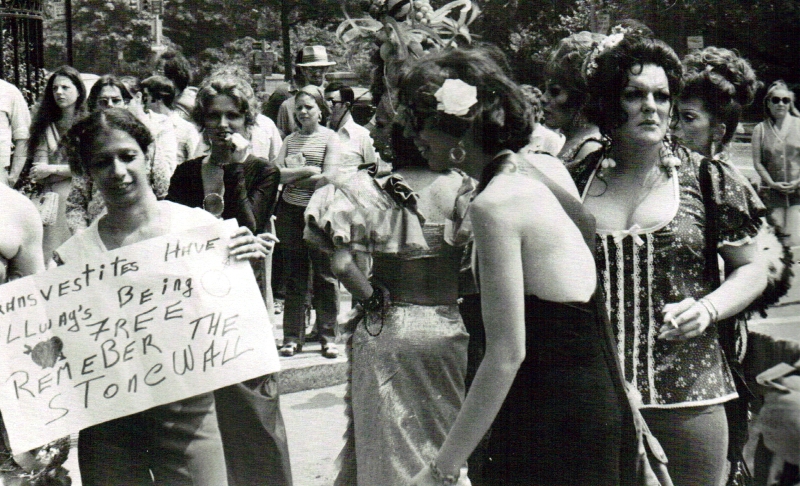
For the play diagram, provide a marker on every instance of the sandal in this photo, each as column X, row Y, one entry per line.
column 289, row 349
column 330, row 351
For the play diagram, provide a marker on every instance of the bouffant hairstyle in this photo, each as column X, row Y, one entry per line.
column 102, row 82
column 565, row 65
column 235, row 88
column 49, row 111
column 776, row 85
column 500, row 119
column 724, row 83
column 80, row 139
column 610, row 71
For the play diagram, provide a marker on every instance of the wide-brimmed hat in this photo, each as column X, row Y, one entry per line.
column 315, row 56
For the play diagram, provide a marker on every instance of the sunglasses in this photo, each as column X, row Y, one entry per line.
column 776, row 100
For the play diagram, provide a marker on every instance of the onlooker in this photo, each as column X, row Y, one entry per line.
column 45, row 170
column 776, row 157
column 230, row 182
column 355, row 143
column 543, row 140
column 308, row 156
column 14, row 124
column 85, row 202
column 177, row 69
column 313, row 64
column 158, row 96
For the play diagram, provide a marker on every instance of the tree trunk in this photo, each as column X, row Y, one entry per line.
column 286, row 41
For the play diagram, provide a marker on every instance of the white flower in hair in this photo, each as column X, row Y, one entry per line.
column 608, row 43
column 456, row 97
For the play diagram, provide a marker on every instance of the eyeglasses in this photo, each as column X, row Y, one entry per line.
column 110, row 102
column 776, row 100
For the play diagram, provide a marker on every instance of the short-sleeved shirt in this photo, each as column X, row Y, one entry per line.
column 313, row 148
column 642, row 269
column 15, row 120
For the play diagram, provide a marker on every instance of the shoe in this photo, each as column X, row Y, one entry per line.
column 330, row 351
column 289, row 349
column 278, row 307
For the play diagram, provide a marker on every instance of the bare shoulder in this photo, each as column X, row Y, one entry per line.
column 552, row 167
column 17, row 205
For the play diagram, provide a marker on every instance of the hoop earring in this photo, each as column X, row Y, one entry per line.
column 458, row 153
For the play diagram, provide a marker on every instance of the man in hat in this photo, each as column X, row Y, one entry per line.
column 313, row 64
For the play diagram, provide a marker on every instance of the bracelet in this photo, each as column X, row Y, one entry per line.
column 377, row 303
column 712, row 311
column 443, row 479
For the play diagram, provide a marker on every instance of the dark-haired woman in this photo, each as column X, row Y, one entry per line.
column 776, row 157
column 85, row 203
column 409, row 352
column 306, row 157
column 656, row 261
column 62, row 103
column 565, row 96
column 546, row 384
column 178, row 443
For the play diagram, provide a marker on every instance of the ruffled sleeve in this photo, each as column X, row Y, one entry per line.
column 458, row 228
column 365, row 214
column 739, row 209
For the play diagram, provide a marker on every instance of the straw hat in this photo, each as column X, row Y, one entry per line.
column 315, row 56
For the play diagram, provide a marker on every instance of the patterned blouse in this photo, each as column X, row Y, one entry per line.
column 642, row 269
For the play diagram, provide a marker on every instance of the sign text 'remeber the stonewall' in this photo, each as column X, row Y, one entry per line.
column 127, row 330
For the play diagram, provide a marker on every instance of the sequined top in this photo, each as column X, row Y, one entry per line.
column 642, row 269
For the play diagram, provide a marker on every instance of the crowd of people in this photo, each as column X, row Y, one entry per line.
column 536, row 282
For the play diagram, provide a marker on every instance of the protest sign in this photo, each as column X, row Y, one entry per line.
column 127, row 330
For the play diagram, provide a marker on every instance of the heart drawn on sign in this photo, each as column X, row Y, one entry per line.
column 47, row 353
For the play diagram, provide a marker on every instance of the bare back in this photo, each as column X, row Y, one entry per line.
column 525, row 225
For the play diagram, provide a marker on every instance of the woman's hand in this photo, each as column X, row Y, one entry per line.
column 41, row 171
column 244, row 245
column 684, row 320
column 239, row 146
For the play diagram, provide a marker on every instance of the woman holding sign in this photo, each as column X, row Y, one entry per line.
column 178, row 443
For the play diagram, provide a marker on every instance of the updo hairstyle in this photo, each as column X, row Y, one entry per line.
column 80, row 139
column 723, row 81
column 608, row 74
column 565, row 66
column 232, row 86
column 500, row 119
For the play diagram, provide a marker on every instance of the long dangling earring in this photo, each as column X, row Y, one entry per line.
column 458, row 153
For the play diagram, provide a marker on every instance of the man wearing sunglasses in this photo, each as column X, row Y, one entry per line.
column 355, row 143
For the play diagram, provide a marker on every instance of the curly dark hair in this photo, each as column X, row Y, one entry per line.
column 102, row 82
column 501, row 118
column 49, row 111
column 232, row 86
column 79, row 140
column 610, row 76
column 565, row 65
column 723, row 81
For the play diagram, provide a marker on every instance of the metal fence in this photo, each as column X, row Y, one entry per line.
column 22, row 41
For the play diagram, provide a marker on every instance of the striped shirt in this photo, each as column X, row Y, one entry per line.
column 313, row 149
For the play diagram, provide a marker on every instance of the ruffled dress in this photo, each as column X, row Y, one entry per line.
column 407, row 366
column 642, row 269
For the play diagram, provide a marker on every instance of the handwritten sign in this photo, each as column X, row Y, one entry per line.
column 127, row 330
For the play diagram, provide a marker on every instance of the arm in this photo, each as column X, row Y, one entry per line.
column 29, row 260
column 165, row 158
column 499, row 248
column 18, row 160
column 746, row 282
column 263, row 193
column 345, row 269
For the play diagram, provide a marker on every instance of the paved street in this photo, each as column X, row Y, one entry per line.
column 315, row 424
